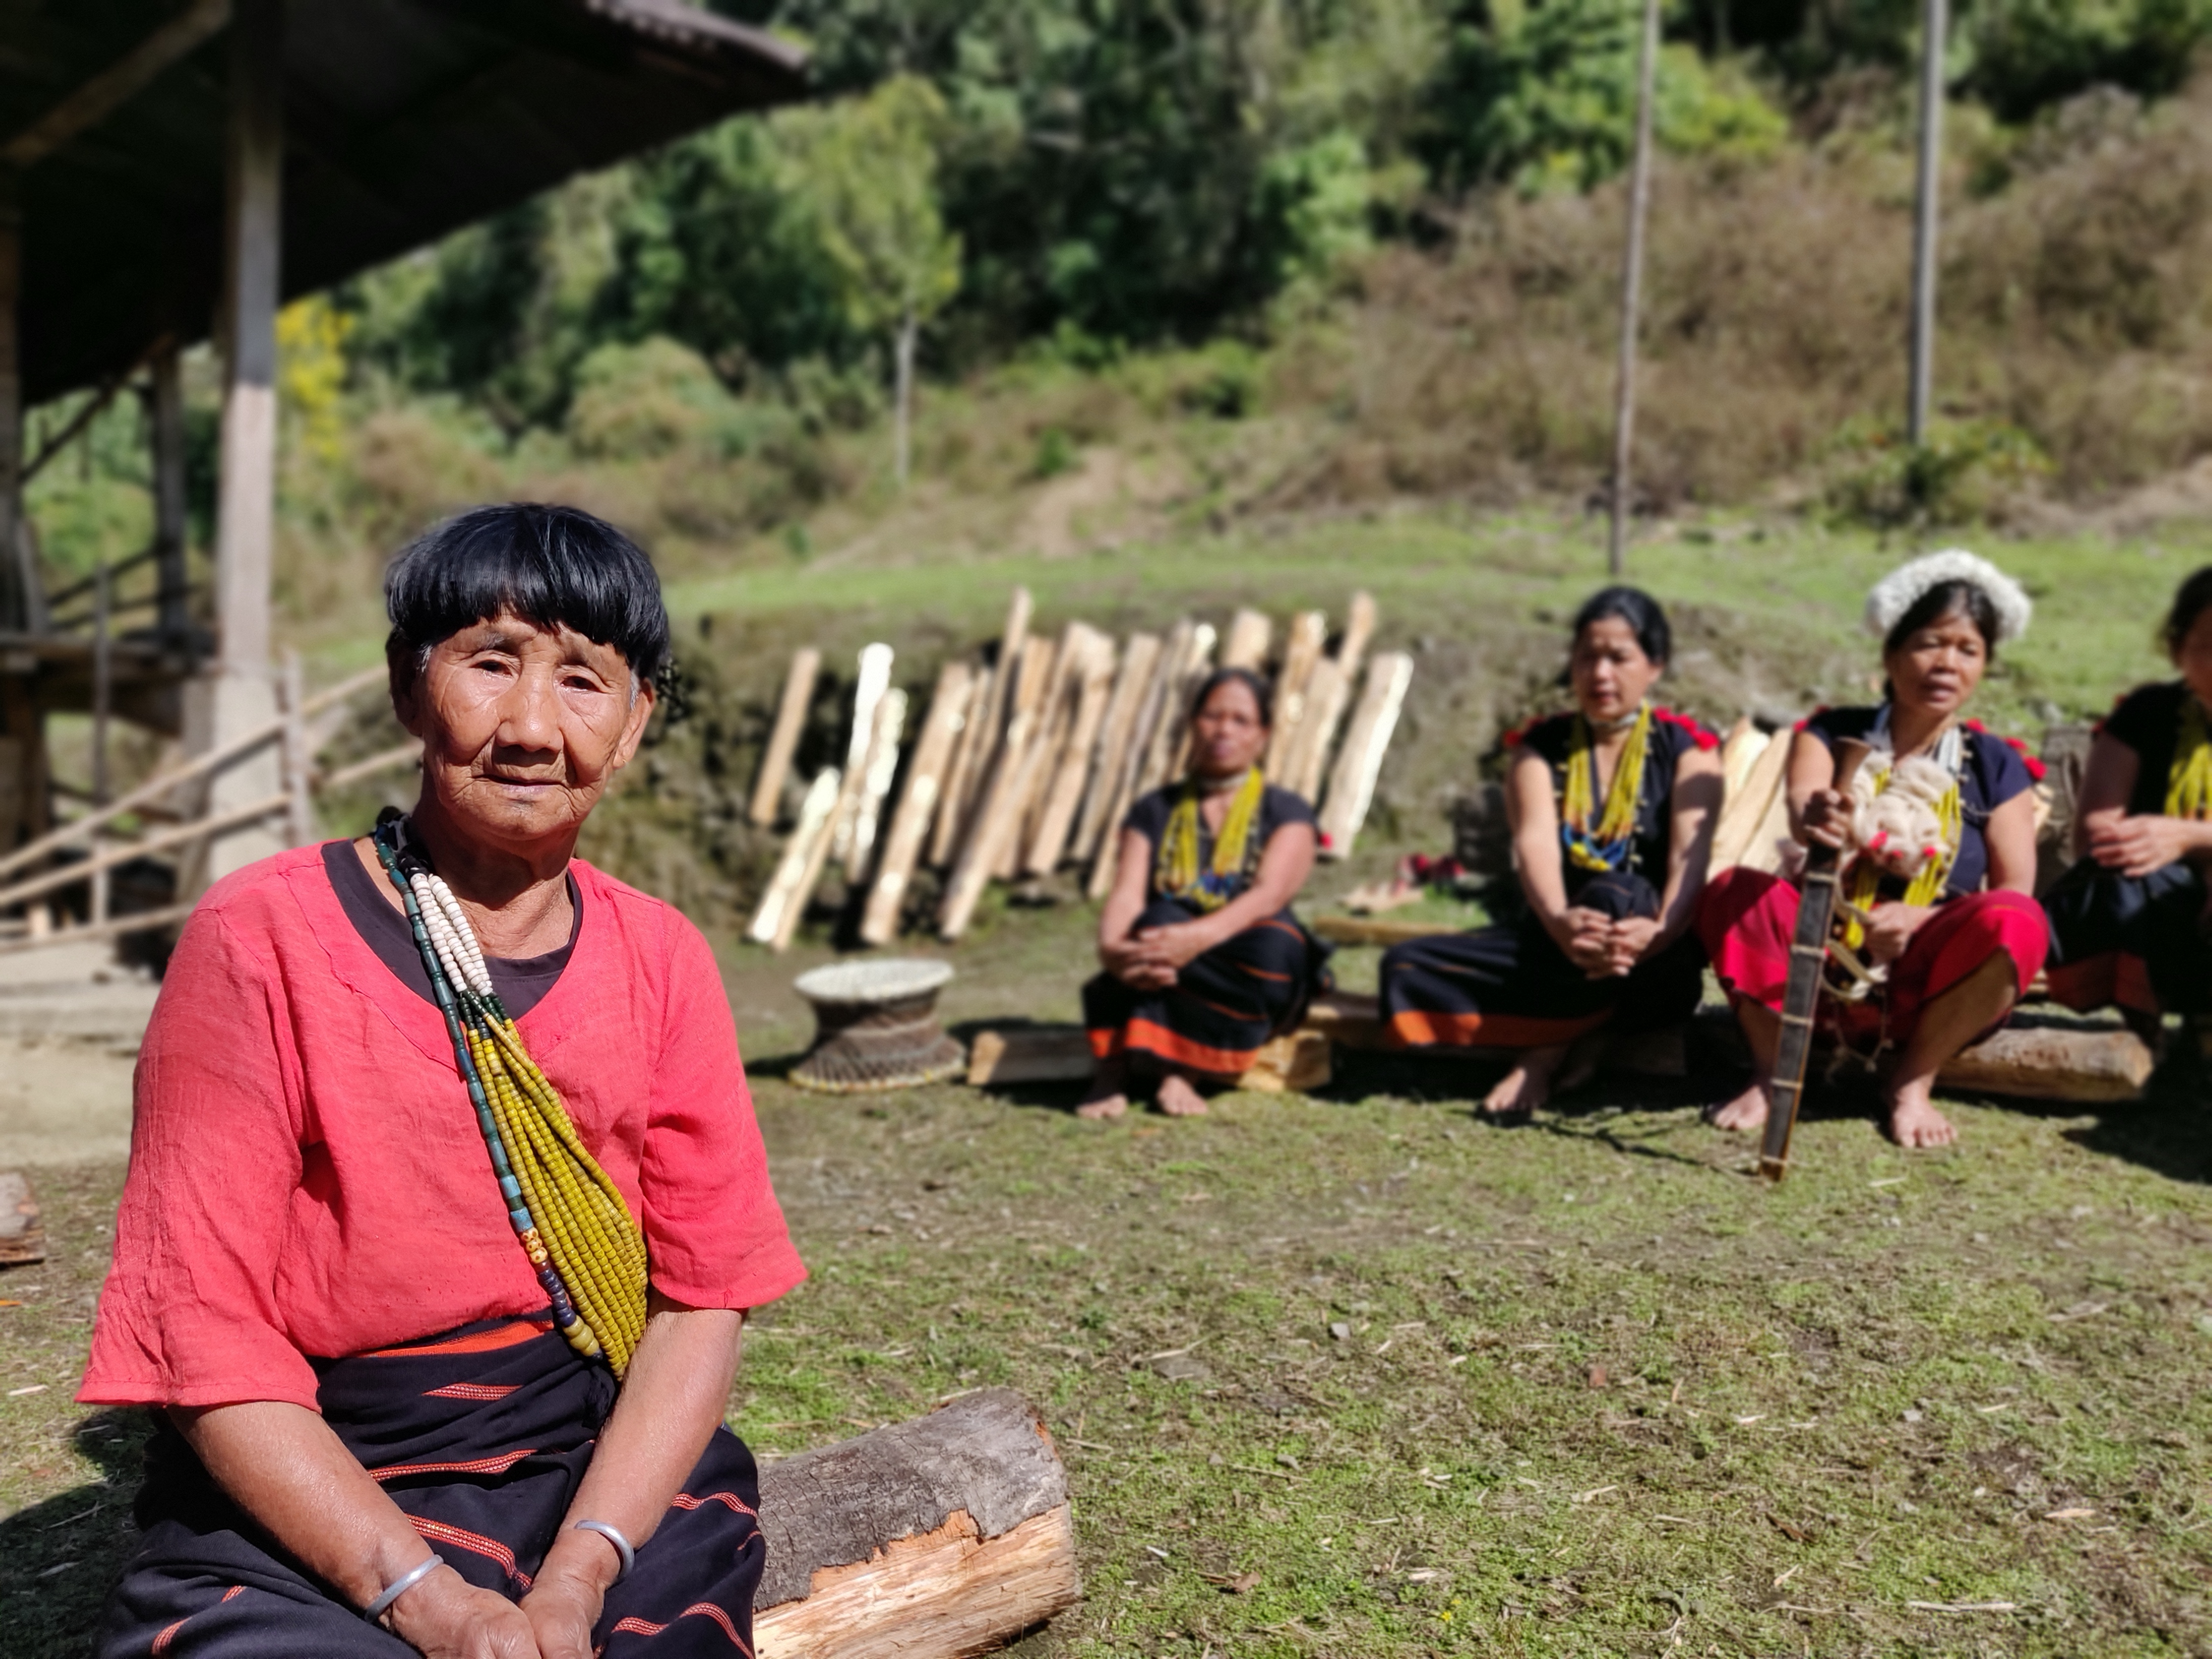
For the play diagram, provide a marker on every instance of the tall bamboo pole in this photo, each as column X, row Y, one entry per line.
column 1631, row 284
column 1935, row 26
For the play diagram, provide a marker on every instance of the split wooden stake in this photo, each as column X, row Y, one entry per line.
column 1151, row 714
column 1326, row 695
column 783, row 739
column 878, row 771
column 803, row 856
column 1351, row 785
column 1054, row 723
column 917, row 806
column 869, row 688
column 1139, row 657
column 997, row 801
column 991, row 731
column 1309, row 637
column 968, row 756
column 1245, row 646
column 1078, row 759
column 1359, row 631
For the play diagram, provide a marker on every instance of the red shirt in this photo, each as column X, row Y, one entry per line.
column 306, row 1176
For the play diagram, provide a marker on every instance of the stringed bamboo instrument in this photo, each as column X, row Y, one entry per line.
column 1800, row 998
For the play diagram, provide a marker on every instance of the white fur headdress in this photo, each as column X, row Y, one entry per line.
column 1899, row 591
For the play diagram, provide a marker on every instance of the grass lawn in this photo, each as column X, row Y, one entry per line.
column 1419, row 1385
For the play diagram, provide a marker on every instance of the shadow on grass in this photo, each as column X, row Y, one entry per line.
column 60, row 1558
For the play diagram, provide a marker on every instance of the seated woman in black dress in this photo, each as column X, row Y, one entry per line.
column 2128, row 921
column 1204, row 960
column 1612, row 808
column 1611, row 812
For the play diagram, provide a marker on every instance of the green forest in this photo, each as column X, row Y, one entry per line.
column 1224, row 258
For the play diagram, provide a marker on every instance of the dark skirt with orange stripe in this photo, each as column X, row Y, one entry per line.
column 1511, row 987
column 2135, row 941
column 481, row 1436
column 1224, row 1006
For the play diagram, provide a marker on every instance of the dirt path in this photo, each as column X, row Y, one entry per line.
column 64, row 1100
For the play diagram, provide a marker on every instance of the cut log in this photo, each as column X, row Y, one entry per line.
column 1246, row 643
column 803, row 856
column 1012, row 639
column 2049, row 1062
column 1295, row 1063
column 943, row 1537
column 1309, row 637
column 1358, row 633
column 1029, row 1054
column 1139, row 657
column 1351, row 785
column 1079, row 757
column 925, row 779
column 1765, row 852
column 879, row 771
column 869, row 687
column 968, row 756
column 1744, row 808
column 1154, row 709
column 783, row 739
column 22, row 1228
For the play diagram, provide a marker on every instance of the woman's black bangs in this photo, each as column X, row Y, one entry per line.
column 555, row 570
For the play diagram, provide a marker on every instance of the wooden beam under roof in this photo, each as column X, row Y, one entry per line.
column 114, row 85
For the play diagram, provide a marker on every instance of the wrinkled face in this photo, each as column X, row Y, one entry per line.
column 1610, row 674
column 1936, row 668
column 2193, row 657
column 522, row 727
column 1227, row 734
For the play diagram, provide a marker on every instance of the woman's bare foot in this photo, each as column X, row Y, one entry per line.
column 1108, row 1085
column 1178, row 1099
column 1914, row 1122
column 1526, row 1087
column 1747, row 1112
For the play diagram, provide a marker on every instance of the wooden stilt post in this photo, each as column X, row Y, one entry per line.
column 246, row 501
column 166, row 422
column 18, row 612
column 1631, row 285
column 1934, row 26
column 103, row 695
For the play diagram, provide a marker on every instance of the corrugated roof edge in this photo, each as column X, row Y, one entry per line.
column 674, row 19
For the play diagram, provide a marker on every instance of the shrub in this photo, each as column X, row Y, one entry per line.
column 1964, row 471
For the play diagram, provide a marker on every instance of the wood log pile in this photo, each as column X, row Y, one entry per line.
column 1028, row 757
column 945, row 1536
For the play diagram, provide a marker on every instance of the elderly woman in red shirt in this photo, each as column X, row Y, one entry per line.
column 441, row 1342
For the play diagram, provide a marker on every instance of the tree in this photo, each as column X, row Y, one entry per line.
column 867, row 169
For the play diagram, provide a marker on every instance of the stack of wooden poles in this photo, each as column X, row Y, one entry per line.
column 1029, row 762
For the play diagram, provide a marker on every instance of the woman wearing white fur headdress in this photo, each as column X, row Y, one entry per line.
column 2127, row 923
column 1940, row 931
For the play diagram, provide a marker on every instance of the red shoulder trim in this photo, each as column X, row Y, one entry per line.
column 2036, row 769
column 1810, row 718
column 1514, row 739
column 1701, row 734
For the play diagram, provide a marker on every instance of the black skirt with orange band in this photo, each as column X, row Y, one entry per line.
column 1511, row 987
column 481, row 1436
column 1224, row 1006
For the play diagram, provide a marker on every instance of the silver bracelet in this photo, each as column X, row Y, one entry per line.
column 622, row 1544
column 399, row 1587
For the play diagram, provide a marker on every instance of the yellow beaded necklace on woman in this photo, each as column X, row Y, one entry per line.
column 2188, row 779
column 1235, row 849
column 582, row 1242
column 1609, row 845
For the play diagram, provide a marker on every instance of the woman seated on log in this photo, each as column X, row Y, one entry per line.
column 2128, row 921
column 439, row 1342
column 1612, row 809
column 1937, row 929
column 1204, row 961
